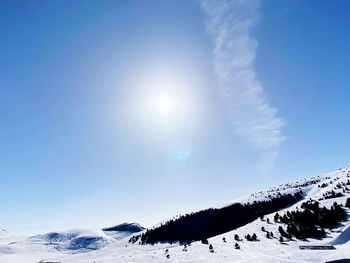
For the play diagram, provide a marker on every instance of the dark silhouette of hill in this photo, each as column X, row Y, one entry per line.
column 125, row 227
column 214, row 221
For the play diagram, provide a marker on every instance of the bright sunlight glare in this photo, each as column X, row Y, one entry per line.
column 165, row 104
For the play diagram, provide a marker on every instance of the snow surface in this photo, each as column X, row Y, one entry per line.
column 95, row 246
column 342, row 238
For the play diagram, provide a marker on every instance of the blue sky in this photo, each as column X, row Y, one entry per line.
column 259, row 93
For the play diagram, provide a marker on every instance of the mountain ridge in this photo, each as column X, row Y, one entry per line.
column 270, row 237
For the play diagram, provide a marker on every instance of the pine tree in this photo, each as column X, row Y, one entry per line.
column 282, row 232
column 347, row 204
column 254, row 237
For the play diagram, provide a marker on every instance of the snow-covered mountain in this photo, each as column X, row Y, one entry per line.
column 75, row 239
column 307, row 216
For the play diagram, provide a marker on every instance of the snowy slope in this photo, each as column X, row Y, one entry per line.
column 264, row 250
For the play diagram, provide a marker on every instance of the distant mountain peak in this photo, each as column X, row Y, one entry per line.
column 125, row 227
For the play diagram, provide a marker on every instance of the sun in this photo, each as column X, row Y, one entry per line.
column 165, row 104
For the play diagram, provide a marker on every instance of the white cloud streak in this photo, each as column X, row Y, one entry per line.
column 229, row 23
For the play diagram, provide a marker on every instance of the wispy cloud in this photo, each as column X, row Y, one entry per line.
column 229, row 23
